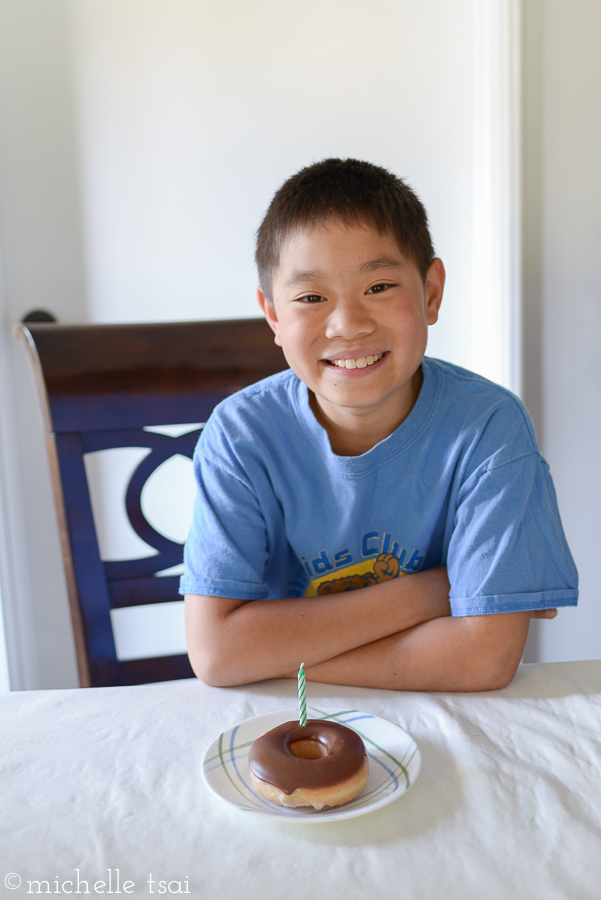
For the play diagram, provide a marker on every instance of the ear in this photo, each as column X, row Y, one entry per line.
column 434, row 288
column 270, row 314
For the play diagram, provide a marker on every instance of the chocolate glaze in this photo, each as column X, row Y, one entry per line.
column 271, row 759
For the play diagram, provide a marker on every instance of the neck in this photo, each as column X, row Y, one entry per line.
column 354, row 431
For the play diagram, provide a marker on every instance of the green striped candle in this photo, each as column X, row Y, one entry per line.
column 302, row 695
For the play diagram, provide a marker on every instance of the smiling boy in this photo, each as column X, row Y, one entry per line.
column 366, row 461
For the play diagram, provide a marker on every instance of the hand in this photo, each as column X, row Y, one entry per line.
column 543, row 613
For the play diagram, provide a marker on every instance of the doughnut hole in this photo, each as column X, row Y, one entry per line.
column 308, row 749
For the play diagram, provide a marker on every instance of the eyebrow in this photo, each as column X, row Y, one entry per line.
column 302, row 275
column 382, row 262
column 372, row 265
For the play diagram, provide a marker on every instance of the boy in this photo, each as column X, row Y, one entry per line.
column 319, row 487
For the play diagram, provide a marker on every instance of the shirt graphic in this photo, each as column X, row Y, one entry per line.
column 371, row 571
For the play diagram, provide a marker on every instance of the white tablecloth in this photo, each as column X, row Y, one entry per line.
column 508, row 803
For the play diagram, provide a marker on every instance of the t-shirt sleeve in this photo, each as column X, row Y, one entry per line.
column 226, row 550
column 508, row 551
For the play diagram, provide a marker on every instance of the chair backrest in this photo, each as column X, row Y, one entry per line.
column 109, row 386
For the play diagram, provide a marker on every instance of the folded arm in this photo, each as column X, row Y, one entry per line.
column 468, row 653
column 471, row 653
column 397, row 635
column 236, row 642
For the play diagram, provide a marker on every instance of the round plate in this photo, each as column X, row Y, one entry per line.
column 394, row 764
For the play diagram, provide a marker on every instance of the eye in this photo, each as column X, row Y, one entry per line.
column 378, row 288
column 310, row 298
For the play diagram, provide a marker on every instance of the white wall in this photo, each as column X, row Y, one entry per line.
column 43, row 265
column 562, row 287
column 192, row 114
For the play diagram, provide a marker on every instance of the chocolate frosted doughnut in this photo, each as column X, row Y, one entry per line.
column 319, row 764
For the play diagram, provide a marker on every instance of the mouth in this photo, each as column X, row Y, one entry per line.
column 360, row 362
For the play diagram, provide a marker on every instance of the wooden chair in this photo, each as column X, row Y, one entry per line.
column 100, row 386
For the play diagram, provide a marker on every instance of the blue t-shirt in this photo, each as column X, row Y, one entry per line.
column 459, row 483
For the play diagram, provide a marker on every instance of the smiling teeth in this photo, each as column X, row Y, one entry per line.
column 360, row 363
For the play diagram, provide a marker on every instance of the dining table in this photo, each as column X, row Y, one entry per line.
column 143, row 791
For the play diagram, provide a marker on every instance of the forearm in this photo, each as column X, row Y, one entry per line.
column 268, row 639
column 473, row 653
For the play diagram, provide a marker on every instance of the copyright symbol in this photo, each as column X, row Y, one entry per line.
column 12, row 881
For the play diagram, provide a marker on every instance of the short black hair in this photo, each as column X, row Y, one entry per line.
column 352, row 192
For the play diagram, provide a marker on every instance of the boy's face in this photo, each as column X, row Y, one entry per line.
column 351, row 313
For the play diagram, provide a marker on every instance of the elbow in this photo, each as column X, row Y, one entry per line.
column 499, row 679
column 497, row 644
column 213, row 670
column 215, row 666
column 507, row 673
column 209, row 646
column 207, row 674
column 497, row 674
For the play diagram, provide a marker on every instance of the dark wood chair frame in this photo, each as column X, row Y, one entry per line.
column 99, row 387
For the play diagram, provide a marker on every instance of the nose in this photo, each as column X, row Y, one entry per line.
column 349, row 319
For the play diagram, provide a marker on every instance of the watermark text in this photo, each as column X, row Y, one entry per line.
column 112, row 882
